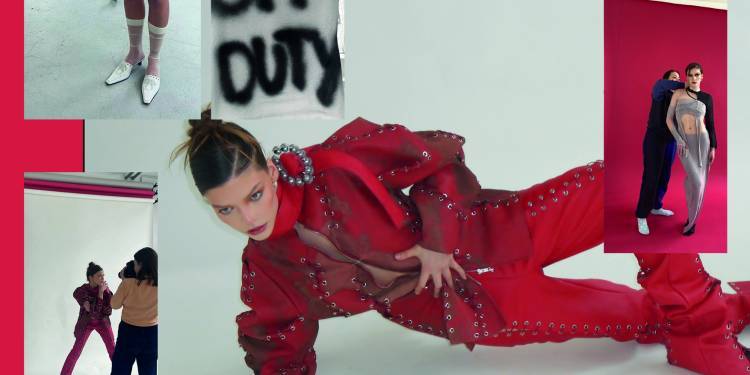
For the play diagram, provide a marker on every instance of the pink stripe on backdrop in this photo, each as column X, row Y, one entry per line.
column 67, row 187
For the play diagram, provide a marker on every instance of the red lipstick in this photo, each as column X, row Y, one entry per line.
column 257, row 230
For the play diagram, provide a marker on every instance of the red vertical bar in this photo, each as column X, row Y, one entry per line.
column 27, row 146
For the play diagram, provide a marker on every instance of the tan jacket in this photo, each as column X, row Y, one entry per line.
column 139, row 302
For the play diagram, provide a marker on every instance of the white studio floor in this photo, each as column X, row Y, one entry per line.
column 71, row 46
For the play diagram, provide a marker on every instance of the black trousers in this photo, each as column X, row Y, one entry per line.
column 135, row 344
column 658, row 156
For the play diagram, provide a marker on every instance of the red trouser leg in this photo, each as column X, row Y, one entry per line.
column 565, row 214
column 565, row 217
column 699, row 326
column 105, row 331
column 539, row 308
column 739, row 305
column 70, row 361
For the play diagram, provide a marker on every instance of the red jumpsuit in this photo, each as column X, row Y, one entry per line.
column 503, row 239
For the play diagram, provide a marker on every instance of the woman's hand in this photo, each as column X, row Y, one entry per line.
column 434, row 265
column 711, row 155
column 682, row 150
column 103, row 287
column 87, row 306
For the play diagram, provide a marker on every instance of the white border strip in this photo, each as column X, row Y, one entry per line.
column 715, row 4
column 87, row 196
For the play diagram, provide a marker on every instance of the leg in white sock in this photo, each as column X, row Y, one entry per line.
column 151, row 81
column 135, row 33
column 156, row 38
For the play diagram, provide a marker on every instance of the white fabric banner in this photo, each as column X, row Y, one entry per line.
column 276, row 58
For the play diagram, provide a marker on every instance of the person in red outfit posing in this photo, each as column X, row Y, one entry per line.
column 93, row 299
column 332, row 233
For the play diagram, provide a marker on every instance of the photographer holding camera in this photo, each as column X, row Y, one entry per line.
column 137, row 333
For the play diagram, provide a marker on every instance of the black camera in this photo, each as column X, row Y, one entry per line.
column 128, row 271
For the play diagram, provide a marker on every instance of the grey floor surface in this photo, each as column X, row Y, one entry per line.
column 71, row 46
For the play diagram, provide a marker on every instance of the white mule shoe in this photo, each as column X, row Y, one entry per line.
column 643, row 227
column 121, row 72
column 149, row 88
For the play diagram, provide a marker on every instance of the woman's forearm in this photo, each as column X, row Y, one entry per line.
column 675, row 134
column 671, row 124
column 117, row 299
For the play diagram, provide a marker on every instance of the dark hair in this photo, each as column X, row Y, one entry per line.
column 217, row 151
column 692, row 66
column 149, row 265
column 92, row 269
column 668, row 73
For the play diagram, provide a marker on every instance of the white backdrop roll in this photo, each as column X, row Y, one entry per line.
column 62, row 233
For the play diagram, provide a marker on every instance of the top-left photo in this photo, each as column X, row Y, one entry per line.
column 112, row 59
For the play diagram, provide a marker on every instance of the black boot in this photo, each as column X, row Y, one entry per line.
column 690, row 231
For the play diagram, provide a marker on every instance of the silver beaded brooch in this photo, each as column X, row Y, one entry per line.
column 305, row 177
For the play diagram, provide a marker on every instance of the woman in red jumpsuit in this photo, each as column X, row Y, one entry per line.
column 332, row 233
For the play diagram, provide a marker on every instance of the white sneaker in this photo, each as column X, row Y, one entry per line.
column 121, row 72
column 662, row 212
column 149, row 88
column 643, row 227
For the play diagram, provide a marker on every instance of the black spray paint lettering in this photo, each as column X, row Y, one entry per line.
column 254, row 54
column 227, row 8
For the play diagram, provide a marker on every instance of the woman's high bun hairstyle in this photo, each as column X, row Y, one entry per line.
column 217, row 151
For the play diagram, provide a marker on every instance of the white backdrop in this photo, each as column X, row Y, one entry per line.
column 521, row 80
column 62, row 234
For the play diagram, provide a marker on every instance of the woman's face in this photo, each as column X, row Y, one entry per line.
column 97, row 278
column 694, row 78
column 674, row 76
column 248, row 202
